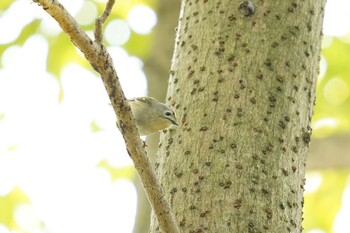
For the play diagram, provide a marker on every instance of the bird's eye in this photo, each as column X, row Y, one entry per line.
column 168, row 114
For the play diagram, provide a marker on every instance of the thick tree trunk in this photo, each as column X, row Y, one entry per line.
column 243, row 86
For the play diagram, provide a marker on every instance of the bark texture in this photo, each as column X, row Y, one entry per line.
column 243, row 84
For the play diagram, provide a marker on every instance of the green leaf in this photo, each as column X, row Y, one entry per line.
column 8, row 205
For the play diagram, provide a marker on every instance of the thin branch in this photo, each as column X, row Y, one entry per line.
column 96, row 53
column 329, row 153
column 101, row 20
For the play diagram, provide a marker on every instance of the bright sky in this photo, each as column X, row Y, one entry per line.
column 48, row 149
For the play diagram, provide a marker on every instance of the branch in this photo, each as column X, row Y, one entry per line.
column 101, row 20
column 329, row 153
column 96, row 53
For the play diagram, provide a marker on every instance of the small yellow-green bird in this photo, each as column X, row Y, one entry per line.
column 151, row 115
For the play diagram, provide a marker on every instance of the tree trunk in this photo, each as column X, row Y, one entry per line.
column 242, row 84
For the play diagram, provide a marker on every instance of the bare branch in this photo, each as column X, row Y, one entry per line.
column 96, row 53
column 101, row 20
column 329, row 153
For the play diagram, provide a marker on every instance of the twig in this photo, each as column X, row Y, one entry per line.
column 96, row 53
column 101, row 20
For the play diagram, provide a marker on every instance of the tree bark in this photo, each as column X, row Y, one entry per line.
column 242, row 83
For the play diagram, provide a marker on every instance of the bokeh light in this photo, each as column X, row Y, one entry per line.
column 142, row 19
column 87, row 13
column 341, row 222
column 336, row 91
column 117, row 32
column 336, row 13
column 313, row 182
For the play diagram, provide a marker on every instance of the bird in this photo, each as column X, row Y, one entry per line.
column 151, row 116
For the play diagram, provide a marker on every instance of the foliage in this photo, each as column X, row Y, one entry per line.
column 333, row 90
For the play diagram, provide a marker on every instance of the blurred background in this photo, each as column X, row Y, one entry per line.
column 63, row 164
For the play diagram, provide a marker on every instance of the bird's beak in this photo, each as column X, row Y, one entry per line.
column 173, row 121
